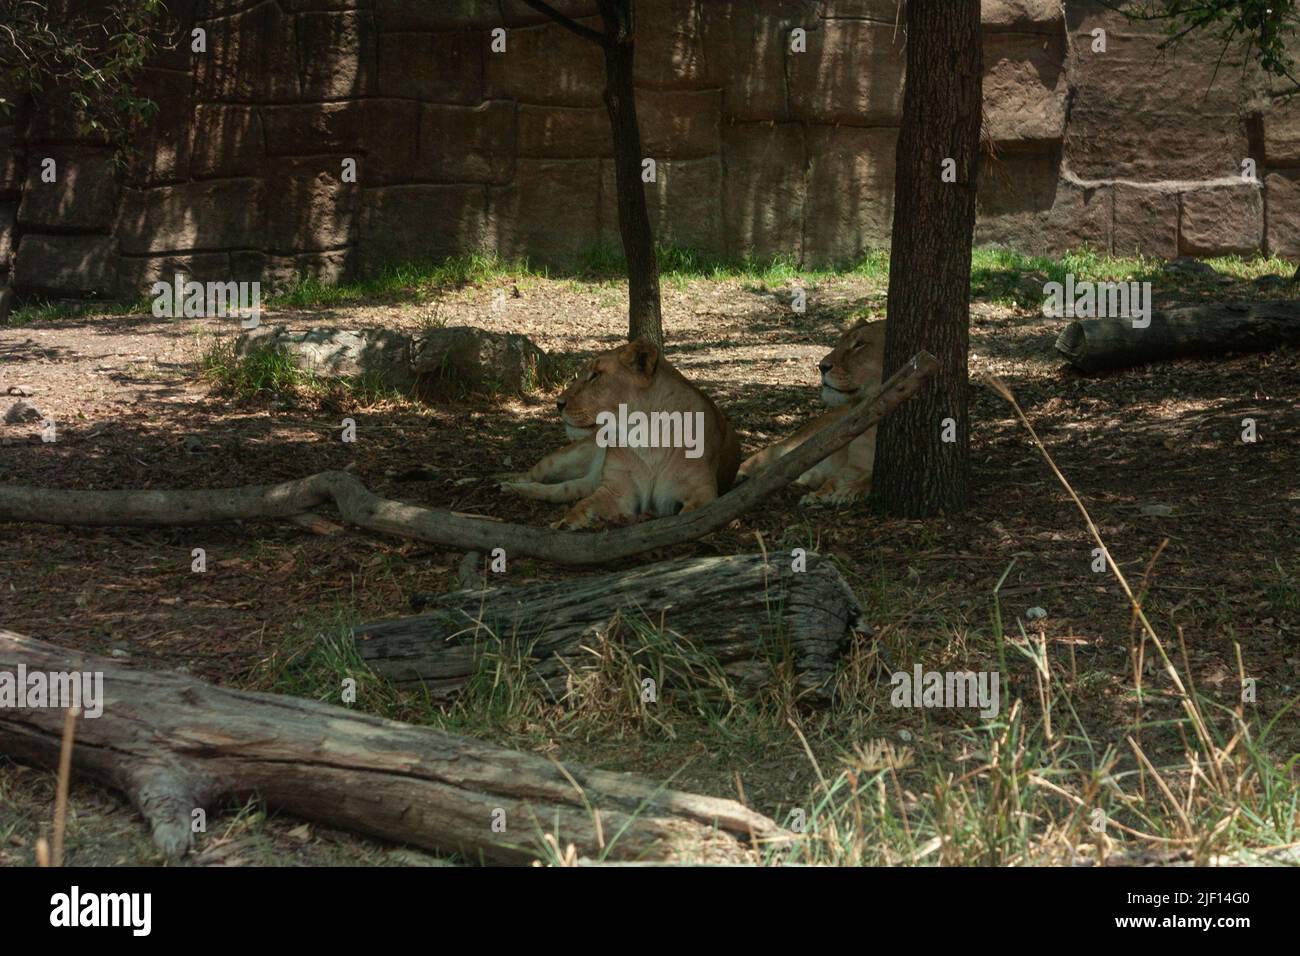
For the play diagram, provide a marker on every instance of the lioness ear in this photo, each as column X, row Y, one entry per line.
column 641, row 356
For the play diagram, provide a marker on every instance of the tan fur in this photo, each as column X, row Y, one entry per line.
column 613, row 484
column 852, row 371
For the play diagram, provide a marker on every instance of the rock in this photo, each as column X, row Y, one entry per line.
column 252, row 57
column 564, row 132
column 161, row 149
column 485, row 139
column 378, row 355
column 1223, row 220
column 428, row 365
column 547, row 64
column 672, row 54
column 1141, row 115
column 308, row 208
column 416, row 16
column 1282, row 132
column 1036, row 613
column 336, row 53
column 852, row 73
column 550, row 213
column 763, row 212
column 1283, row 196
column 463, row 357
column 1186, row 265
column 211, row 215
column 11, row 161
column 82, row 196
column 1146, row 221
column 684, row 203
column 8, row 229
column 422, row 223
column 850, row 202
column 1025, row 204
column 678, row 125
column 1025, row 89
column 1022, row 16
column 228, row 140
column 21, row 411
column 65, row 265
column 435, row 68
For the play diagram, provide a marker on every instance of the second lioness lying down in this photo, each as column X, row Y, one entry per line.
column 684, row 455
column 851, row 371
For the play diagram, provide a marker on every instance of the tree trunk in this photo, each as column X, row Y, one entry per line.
column 645, row 319
column 175, row 745
column 746, row 614
column 1095, row 344
column 918, row 473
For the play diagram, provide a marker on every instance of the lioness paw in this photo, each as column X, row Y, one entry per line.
column 839, row 496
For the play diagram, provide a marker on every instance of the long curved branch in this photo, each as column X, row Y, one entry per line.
column 361, row 507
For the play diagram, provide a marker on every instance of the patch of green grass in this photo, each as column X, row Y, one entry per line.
column 259, row 372
column 52, row 311
column 401, row 282
column 270, row 371
column 1283, row 592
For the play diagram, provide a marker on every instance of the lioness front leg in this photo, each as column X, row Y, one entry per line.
column 838, row 491
column 566, row 475
column 572, row 461
column 604, row 505
column 557, row 493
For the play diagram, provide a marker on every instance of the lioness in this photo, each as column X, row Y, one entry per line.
column 624, row 480
column 852, row 370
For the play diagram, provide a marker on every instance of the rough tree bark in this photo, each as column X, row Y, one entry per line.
column 737, row 609
column 359, row 506
column 1095, row 344
column 645, row 318
column 918, row 474
column 174, row 744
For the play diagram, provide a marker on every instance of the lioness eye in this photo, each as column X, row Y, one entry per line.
column 594, row 375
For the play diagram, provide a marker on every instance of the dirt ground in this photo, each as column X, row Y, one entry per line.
column 1155, row 452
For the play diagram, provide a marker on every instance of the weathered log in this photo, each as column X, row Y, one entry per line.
column 361, row 507
column 1093, row 345
column 174, row 745
column 741, row 611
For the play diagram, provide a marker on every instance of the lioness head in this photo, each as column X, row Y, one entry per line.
column 610, row 378
column 857, row 360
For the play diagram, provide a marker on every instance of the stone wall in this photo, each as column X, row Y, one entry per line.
column 760, row 150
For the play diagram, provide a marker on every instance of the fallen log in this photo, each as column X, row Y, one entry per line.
column 1093, row 345
column 365, row 509
column 742, row 612
column 175, row 745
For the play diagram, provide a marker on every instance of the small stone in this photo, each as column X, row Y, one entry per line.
column 1036, row 613
column 21, row 411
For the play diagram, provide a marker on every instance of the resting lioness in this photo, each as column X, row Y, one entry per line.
column 683, row 459
column 852, row 370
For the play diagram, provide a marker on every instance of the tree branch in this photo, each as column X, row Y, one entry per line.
column 361, row 507
column 573, row 26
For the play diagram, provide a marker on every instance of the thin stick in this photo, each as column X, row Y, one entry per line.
column 65, row 776
column 998, row 386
